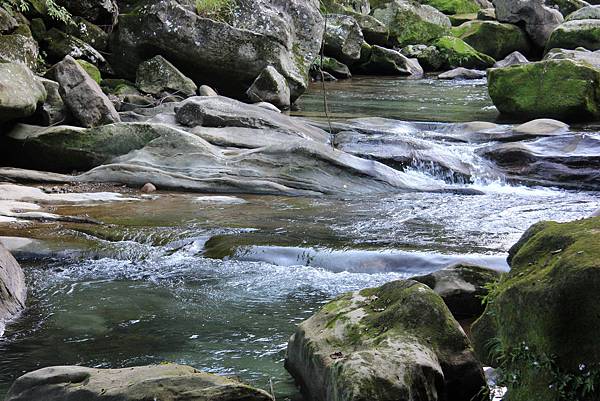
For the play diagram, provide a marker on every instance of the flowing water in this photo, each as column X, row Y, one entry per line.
column 220, row 283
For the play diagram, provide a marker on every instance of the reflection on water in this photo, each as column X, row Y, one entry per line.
column 402, row 99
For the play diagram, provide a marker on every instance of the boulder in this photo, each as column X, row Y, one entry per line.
column 541, row 127
column 576, row 33
column 90, row 33
column 343, row 38
column 271, row 87
column 546, row 311
column 227, row 57
column 331, row 66
column 429, row 57
column 58, row 45
column 462, row 288
column 206, row 90
column 100, row 12
column 515, row 58
column 589, row 12
column 19, row 49
column 7, row 22
column 13, row 291
column 562, row 89
column 580, row 54
column 493, row 38
column 410, row 23
column 487, row 14
column 457, row 53
column 459, row 19
column 20, row 92
column 159, row 382
column 86, row 101
column 53, row 111
column 462, row 73
column 538, row 19
column 567, row 7
column 91, row 70
column 395, row 342
column 157, row 76
column 452, row 7
column 390, row 62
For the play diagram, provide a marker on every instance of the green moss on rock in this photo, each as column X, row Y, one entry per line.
column 493, row 38
column 456, row 53
column 547, row 306
column 454, row 6
column 577, row 33
column 565, row 90
column 91, row 70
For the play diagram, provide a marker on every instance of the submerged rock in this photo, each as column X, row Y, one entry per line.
column 13, row 291
column 462, row 288
column 86, row 101
column 157, row 76
column 493, row 38
column 398, row 341
column 20, row 92
column 538, row 19
column 169, row 381
column 228, row 57
column 545, row 310
column 559, row 88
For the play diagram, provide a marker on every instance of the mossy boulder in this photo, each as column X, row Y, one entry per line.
column 17, row 48
column 384, row 61
column 456, row 53
column 566, row 90
column 90, row 33
column 157, row 76
column 567, row 7
column 332, row 66
column 589, row 12
column 20, row 92
column 91, row 70
column 459, row 19
column 58, row 45
column 452, row 7
column 411, row 23
column 576, row 33
column 429, row 57
column 156, row 382
column 545, row 313
column 343, row 38
column 493, row 38
column 395, row 342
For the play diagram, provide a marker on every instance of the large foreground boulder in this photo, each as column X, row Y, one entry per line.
column 20, row 92
column 86, row 101
column 226, row 56
column 563, row 89
column 13, row 291
column 542, row 319
column 538, row 19
column 395, row 342
column 160, row 382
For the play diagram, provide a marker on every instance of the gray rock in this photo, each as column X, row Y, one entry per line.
column 206, row 90
column 267, row 106
column 539, row 20
column 331, row 66
column 86, row 101
column 462, row 73
column 100, row 12
column 58, row 45
column 429, row 57
column 576, row 33
column 158, row 382
column 567, row 7
column 487, row 14
column 20, row 92
column 588, row 57
column 596, row 213
column 90, row 33
column 462, row 288
column 589, row 12
column 343, row 38
column 515, row 58
column 53, row 111
column 227, row 57
column 390, row 62
column 7, row 22
column 542, row 127
column 395, row 342
column 157, row 76
column 13, row 291
column 270, row 86
column 19, row 49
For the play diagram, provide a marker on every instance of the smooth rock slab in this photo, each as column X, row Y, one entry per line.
column 13, row 291
column 160, row 382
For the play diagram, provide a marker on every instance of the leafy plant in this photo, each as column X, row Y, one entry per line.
column 218, row 10
column 48, row 7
